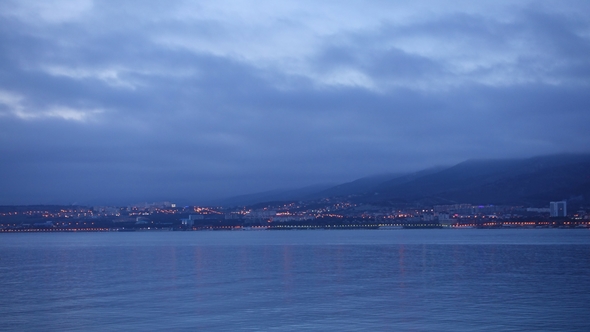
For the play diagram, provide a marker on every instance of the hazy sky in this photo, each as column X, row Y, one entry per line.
column 115, row 102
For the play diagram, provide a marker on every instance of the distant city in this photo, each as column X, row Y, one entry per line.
column 546, row 191
column 318, row 214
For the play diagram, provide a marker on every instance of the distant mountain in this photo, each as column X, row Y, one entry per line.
column 356, row 187
column 274, row 195
column 533, row 181
column 370, row 183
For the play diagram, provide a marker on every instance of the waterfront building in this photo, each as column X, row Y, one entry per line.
column 558, row 209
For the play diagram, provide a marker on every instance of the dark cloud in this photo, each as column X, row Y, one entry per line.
column 117, row 103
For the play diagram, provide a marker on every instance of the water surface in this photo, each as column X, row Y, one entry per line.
column 316, row 280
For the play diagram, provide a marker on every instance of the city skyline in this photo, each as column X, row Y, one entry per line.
column 107, row 103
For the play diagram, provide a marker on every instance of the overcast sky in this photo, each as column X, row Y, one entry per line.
column 117, row 102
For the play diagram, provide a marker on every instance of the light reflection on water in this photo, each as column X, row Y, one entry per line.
column 354, row 280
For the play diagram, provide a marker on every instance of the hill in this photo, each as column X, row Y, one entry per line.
column 531, row 181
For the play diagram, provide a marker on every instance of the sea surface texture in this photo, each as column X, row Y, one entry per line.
column 349, row 280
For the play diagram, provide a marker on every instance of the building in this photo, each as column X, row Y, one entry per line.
column 187, row 223
column 558, row 209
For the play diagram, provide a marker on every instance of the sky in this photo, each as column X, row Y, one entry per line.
column 118, row 102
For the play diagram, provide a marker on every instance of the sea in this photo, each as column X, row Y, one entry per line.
column 297, row 280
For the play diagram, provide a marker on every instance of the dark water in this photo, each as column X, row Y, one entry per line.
column 363, row 280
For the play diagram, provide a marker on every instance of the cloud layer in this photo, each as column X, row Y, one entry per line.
column 114, row 102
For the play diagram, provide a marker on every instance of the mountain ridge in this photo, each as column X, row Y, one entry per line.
column 534, row 181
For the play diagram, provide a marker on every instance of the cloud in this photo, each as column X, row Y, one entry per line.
column 15, row 105
column 54, row 12
column 110, row 76
column 112, row 102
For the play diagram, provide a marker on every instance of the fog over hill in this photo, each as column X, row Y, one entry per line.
column 531, row 181
column 274, row 195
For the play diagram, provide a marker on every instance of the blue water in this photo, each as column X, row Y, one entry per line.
column 350, row 280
